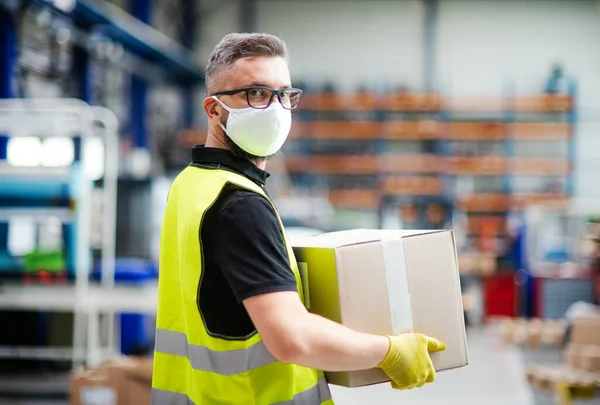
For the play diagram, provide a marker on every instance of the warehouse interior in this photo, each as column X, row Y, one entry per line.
column 480, row 116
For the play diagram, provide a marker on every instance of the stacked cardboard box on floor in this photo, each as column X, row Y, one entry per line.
column 386, row 282
column 534, row 332
column 583, row 351
column 477, row 263
column 123, row 381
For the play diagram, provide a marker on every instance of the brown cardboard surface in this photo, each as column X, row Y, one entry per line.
column 586, row 331
column 122, row 381
column 387, row 282
column 574, row 355
column 584, row 357
column 95, row 387
column 139, row 392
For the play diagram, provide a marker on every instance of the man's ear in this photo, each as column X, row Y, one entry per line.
column 210, row 107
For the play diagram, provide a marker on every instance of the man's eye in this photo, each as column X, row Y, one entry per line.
column 256, row 93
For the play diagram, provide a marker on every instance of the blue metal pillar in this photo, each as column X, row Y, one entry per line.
column 572, row 145
column 188, row 40
column 8, row 38
column 83, row 80
column 138, row 91
column 429, row 44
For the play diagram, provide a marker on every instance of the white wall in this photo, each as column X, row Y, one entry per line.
column 483, row 45
column 374, row 43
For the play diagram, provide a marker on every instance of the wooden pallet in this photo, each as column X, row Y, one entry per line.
column 566, row 382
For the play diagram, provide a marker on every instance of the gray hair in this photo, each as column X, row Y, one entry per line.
column 236, row 46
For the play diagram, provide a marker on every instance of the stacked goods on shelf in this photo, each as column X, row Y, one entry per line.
column 375, row 150
column 533, row 332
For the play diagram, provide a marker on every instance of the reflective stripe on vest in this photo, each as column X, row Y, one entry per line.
column 204, row 359
column 314, row 395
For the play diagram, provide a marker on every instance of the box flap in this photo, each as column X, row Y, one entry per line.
column 357, row 236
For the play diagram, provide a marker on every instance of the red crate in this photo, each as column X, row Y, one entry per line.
column 500, row 295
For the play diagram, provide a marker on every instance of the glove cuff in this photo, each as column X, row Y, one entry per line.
column 380, row 365
column 399, row 358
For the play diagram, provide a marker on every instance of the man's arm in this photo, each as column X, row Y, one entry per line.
column 253, row 260
column 293, row 335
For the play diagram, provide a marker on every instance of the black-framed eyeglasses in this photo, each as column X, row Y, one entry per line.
column 260, row 97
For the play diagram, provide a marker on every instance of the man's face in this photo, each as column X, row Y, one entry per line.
column 272, row 72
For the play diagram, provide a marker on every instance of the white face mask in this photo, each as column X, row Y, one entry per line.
column 258, row 132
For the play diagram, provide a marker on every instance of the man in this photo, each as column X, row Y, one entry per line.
column 231, row 325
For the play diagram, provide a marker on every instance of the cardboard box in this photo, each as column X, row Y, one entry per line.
column 591, row 359
column 386, row 282
column 584, row 357
column 117, row 382
column 586, row 330
column 574, row 355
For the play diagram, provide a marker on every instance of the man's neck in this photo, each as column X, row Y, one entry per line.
column 213, row 141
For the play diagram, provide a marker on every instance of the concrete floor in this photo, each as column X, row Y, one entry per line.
column 495, row 376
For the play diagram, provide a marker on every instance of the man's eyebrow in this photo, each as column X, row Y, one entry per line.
column 259, row 84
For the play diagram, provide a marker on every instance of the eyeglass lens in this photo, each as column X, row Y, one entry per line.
column 259, row 98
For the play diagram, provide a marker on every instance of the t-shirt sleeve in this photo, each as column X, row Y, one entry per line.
column 251, row 252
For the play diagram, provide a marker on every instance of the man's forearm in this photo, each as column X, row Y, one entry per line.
column 329, row 346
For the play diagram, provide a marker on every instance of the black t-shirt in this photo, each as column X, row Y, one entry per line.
column 243, row 248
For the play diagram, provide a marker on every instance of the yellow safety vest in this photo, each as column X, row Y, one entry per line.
column 190, row 365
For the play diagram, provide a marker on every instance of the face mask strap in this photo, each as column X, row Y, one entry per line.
column 222, row 104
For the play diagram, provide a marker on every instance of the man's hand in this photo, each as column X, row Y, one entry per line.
column 407, row 362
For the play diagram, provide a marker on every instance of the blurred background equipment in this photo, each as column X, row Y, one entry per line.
column 481, row 116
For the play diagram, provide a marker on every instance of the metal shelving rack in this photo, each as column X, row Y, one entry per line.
column 376, row 121
column 149, row 58
column 87, row 301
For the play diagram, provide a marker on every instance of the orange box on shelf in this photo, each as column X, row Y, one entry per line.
column 410, row 129
column 475, row 103
column 355, row 199
column 532, row 131
column 323, row 101
column 490, row 131
column 299, row 130
column 345, row 129
column 491, row 165
column 484, row 203
column 364, row 101
column 410, row 163
column 297, row 164
column 412, row 185
column 536, row 166
column 355, row 164
column 543, row 103
column 410, row 102
column 556, row 200
column 496, row 224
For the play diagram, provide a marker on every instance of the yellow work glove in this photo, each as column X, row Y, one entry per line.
column 407, row 362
